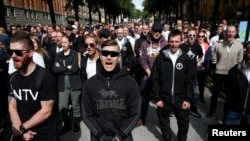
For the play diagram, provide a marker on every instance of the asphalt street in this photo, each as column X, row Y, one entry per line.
column 151, row 131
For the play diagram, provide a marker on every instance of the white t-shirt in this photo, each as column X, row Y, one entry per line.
column 91, row 68
column 173, row 57
column 37, row 58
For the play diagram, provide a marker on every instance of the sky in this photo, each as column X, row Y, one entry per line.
column 138, row 4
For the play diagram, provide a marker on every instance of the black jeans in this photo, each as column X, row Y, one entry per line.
column 146, row 97
column 109, row 138
column 182, row 117
column 219, row 80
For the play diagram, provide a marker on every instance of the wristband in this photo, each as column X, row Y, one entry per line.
column 22, row 128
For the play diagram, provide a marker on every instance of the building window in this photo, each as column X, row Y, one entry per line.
column 48, row 16
column 13, row 12
column 31, row 15
column 26, row 13
column 35, row 14
column 44, row 16
column 7, row 14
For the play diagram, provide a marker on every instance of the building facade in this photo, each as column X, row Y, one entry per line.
column 228, row 9
column 31, row 12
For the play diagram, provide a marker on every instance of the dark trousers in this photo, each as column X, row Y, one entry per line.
column 109, row 138
column 219, row 80
column 201, row 82
column 146, row 97
column 182, row 117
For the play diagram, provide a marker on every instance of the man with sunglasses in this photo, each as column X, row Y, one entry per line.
column 195, row 53
column 90, row 60
column 31, row 107
column 104, row 35
column 111, row 99
column 149, row 50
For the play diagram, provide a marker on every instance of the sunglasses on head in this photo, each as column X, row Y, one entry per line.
column 17, row 52
column 191, row 35
column 111, row 53
column 90, row 44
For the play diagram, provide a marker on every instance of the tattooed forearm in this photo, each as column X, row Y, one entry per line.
column 49, row 103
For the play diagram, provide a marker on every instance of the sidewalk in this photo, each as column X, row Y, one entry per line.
column 151, row 131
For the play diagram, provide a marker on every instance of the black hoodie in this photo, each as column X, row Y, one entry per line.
column 111, row 103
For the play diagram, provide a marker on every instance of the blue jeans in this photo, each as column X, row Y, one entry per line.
column 231, row 117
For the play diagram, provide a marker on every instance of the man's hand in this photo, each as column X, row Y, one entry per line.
column 185, row 105
column 69, row 66
column 159, row 104
column 28, row 136
column 57, row 64
column 15, row 129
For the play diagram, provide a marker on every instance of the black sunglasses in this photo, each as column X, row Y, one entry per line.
column 159, row 31
column 111, row 53
column 90, row 44
column 191, row 35
column 200, row 36
column 103, row 36
column 17, row 52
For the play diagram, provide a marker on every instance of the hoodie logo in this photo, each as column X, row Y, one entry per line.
column 109, row 100
column 179, row 66
column 124, row 48
column 108, row 94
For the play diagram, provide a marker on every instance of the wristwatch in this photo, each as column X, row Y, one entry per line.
column 22, row 128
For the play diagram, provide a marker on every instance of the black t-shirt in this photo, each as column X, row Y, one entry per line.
column 28, row 98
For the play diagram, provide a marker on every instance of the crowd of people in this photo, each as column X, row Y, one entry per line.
column 55, row 76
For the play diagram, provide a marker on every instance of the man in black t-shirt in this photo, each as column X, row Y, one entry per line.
column 31, row 101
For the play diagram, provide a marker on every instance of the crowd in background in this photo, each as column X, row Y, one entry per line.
column 78, row 46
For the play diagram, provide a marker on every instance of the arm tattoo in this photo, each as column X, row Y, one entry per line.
column 49, row 103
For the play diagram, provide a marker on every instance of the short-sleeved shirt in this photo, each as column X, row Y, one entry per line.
column 28, row 99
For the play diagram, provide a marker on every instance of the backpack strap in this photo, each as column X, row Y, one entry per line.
column 39, row 78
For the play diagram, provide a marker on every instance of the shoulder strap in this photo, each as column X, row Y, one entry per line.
column 39, row 78
column 12, row 76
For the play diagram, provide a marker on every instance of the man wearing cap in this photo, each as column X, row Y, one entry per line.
column 148, row 52
column 104, row 35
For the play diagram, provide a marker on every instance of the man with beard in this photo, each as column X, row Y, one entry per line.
column 111, row 99
column 31, row 108
column 226, row 54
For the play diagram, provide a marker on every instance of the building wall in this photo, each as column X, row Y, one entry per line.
column 31, row 12
column 228, row 8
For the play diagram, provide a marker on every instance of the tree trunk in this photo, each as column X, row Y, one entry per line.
column 181, row 9
column 2, row 16
column 90, row 11
column 76, row 12
column 99, row 14
column 191, row 6
column 216, row 10
column 51, row 10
